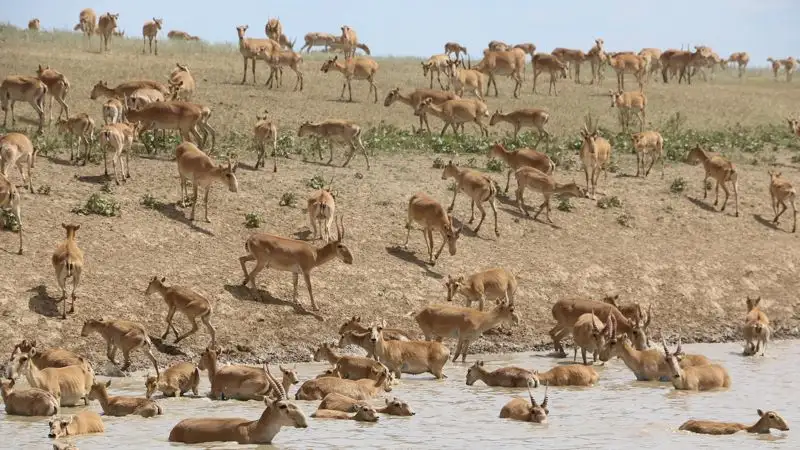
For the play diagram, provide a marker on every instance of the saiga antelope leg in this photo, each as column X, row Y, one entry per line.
column 170, row 314
column 444, row 241
column 295, row 278
column 453, row 203
column 194, row 329
column 76, row 279
column 307, row 277
column 205, row 202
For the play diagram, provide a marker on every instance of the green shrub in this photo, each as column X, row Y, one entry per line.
column 288, row 199
column 316, row 182
column 150, row 202
column 609, row 202
column 43, row 189
column 99, row 205
column 252, row 220
column 8, row 221
column 494, row 165
column 564, row 204
column 678, row 185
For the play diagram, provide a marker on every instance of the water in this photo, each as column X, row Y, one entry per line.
column 618, row 413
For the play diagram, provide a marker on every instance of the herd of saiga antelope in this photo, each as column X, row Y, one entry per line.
column 59, row 377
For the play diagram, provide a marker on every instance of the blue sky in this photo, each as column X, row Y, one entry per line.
column 420, row 28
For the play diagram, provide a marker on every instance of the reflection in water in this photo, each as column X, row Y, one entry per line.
column 619, row 413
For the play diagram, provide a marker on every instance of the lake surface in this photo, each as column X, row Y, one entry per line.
column 618, row 413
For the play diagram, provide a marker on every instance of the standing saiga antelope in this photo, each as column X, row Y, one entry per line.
column 339, row 131
column 648, row 143
column 68, row 263
column 16, row 149
column 492, row 284
column 627, row 103
column 477, row 186
column 429, row 213
column 522, row 157
column 756, row 328
column 185, row 300
column 195, row 165
column 290, row 255
column 321, row 209
column 527, row 117
column 265, row 132
column 361, row 68
column 536, row 180
column 721, row 170
column 595, row 154
column 780, row 192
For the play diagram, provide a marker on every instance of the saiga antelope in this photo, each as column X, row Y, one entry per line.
column 780, row 192
column 429, row 213
column 510, row 376
column 119, row 405
column 542, row 62
column 10, row 200
column 321, row 208
column 527, row 117
column 87, row 23
column 416, row 97
column 696, row 378
column 334, row 130
column 121, row 334
column 794, row 126
column 150, row 32
column 756, row 328
column 478, row 187
column 19, row 88
column 457, row 112
column 491, row 284
column 595, row 153
column 438, row 64
column 194, row 164
column 29, row 402
column 461, row 78
column 34, row 24
column 265, row 132
column 361, row 68
column 82, row 127
column 502, row 63
column 290, row 255
column 522, row 157
column 178, row 379
column 648, row 143
column 68, row 263
column 17, row 150
column 741, row 59
column 719, row 168
column 85, row 422
column 573, row 58
column 115, row 137
column 766, row 421
column 249, row 48
column 519, row 409
column 57, row 88
column 188, row 302
column 105, row 28
column 315, row 39
column 536, row 180
column 626, row 103
column 451, row 48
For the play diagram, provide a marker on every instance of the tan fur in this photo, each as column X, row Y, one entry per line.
column 16, row 149
column 30, row 402
column 491, row 284
column 502, row 63
column 465, row 324
column 150, row 31
column 315, row 39
column 87, row 23
column 265, row 131
column 57, row 88
column 34, row 24
column 590, row 334
column 67, row 261
column 348, row 366
column 196, row 166
column 361, row 389
column 626, row 103
column 455, row 48
column 767, row 420
column 119, row 406
column 321, row 208
column 477, row 186
column 721, row 170
column 416, row 97
column 652, row 59
column 144, row 96
column 526, row 117
column 278, row 413
column 522, row 157
column 597, row 57
column 392, row 334
column 53, row 357
column 233, row 381
column 336, row 131
column 20, row 88
column 360, row 68
column 568, row 375
column 184, row 300
column 438, row 64
column 126, row 89
column 338, row 402
column 82, row 127
column 10, row 200
column 545, row 62
column 178, row 379
column 181, row 83
column 121, row 334
column 756, row 328
column 412, row 357
column 429, row 213
column 457, row 112
column 520, row 409
column 504, row 376
column 249, row 48
column 363, row 413
column 117, row 138
column 277, row 60
column 85, row 422
column 696, row 378
column 628, row 63
column 176, row 115
column 573, row 58
column 461, row 78
column 69, row 385
column 105, row 28
column 650, row 364
column 291, row 255
column 595, row 153
column 349, row 38
column 648, row 143
column 535, row 180
column 680, row 62
column 781, row 191
column 112, row 111
column 179, row 35
column 742, row 59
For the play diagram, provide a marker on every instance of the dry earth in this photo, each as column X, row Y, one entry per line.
column 693, row 264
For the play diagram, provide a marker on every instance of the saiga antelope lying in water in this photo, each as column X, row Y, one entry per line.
column 696, row 378
column 767, row 421
column 178, row 379
column 522, row 157
column 121, row 334
column 568, row 375
column 188, row 302
column 349, row 367
column 648, row 143
column 30, row 402
column 477, row 186
column 412, row 357
column 362, row 389
column 535, row 180
column 238, row 381
column 527, row 117
column 69, row 385
column 119, row 406
column 194, row 164
column 457, row 112
column 465, row 324
column 18, row 88
column 339, row 402
column 780, row 192
column 278, row 413
column 53, row 357
column 291, row 255
column 756, row 328
column 363, row 413
column 567, row 311
column 85, row 422
column 10, row 200
column 595, row 154
column 17, row 150
column 334, row 130
column 492, row 284
column 519, row 409
column 416, row 97
column 361, row 68
column 265, row 132
column 650, row 364
column 719, row 168
column 503, row 377
column 429, row 213
column 67, row 261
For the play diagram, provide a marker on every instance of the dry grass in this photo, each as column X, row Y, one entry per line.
column 694, row 264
